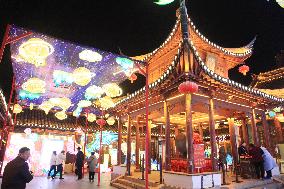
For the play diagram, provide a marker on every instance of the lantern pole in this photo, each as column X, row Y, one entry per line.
column 4, row 42
column 100, row 151
column 86, row 130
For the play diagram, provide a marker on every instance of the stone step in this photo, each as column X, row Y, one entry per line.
column 131, row 184
column 139, row 181
column 120, row 186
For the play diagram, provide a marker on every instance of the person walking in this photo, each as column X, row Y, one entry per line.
column 16, row 173
column 269, row 163
column 59, row 164
column 52, row 164
column 92, row 163
column 79, row 163
column 257, row 160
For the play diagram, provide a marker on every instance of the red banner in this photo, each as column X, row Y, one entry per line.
column 199, row 159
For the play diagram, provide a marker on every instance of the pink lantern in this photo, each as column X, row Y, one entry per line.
column 188, row 87
column 101, row 122
column 244, row 69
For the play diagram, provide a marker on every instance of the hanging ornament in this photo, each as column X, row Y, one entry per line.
column 188, row 87
column 94, row 92
column 82, row 76
column 46, row 106
column 101, row 122
column 133, row 77
column 110, row 120
column 90, row 56
column 84, row 103
column 17, row 109
column 61, row 115
column 31, row 106
column 64, row 103
column 91, row 117
column 106, row 102
column 34, row 85
column 244, row 69
column 112, row 90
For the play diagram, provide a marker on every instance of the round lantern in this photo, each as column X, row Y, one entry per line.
column 244, row 69
column 188, row 87
column 101, row 122
column 110, row 120
column 17, row 109
column 133, row 77
column 31, row 106
column 91, row 117
column 272, row 114
column 28, row 131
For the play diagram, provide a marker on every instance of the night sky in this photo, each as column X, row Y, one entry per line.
column 138, row 27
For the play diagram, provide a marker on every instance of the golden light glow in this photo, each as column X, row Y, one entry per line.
column 111, row 120
column 31, row 106
column 46, row 106
column 61, row 115
column 84, row 103
column 94, row 92
column 82, row 76
column 281, row 3
column 90, row 56
column 63, row 102
column 34, row 85
column 112, row 90
column 17, row 109
column 35, row 51
column 107, row 115
column 91, row 117
column 106, row 102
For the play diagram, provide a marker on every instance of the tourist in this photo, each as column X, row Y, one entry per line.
column 222, row 158
column 59, row 164
column 269, row 163
column 79, row 162
column 52, row 164
column 257, row 160
column 92, row 163
column 242, row 150
column 16, row 173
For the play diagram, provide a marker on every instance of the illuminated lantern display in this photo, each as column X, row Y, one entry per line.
column 77, row 112
column 27, row 95
column 188, row 87
column 35, row 51
column 133, row 77
column 46, row 106
column 101, row 122
column 34, row 85
column 110, row 120
column 82, row 76
column 164, row 2
column 281, row 3
column 28, row 131
column 61, row 115
column 64, row 103
column 106, row 115
column 84, row 103
column 94, row 92
column 106, row 102
column 17, row 109
column 62, row 77
column 126, row 65
column 271, row 114
column 244, row 69
column 112, row 90
column 31, row 106
column 90, row 56
column 92, row 117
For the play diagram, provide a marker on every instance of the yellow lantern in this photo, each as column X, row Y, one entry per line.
column 61, row 115
column 63, row 102
column 106, row 102
column 82, row 76
column 46, row 106
column 35, row 51
column 17, row 109
column 90, row 56
column 107, row 115
column 94, row 92
column 110, row 120
column 34, row 85
column 91, row 117
column 112, row 90
column 31, row 106
column 84, row 103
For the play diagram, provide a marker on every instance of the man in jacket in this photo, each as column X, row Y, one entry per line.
column 52, row 163
column 79, row 162
column 16, row 173
column 59, row 164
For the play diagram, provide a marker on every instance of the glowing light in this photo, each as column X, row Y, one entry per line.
column 107, row 115
column 91, row 117
column 164, row 2
column 77, row 112
column 28, row 131
column 63, row 102
column 27, row 95
column 84, row 103
column 61, row 115
column 46, row 106
column 272, row 114
column 90, row 56
column 111, row 120
column 31, row 106
column 82, row 76
column 126, row 64
column 281, row 3
column 35, row 51
column 60, row 77
column 101, row 122
column 106, row 102
column 17, row 109
column 112, row 90
column 34, row 85
column 94, row 92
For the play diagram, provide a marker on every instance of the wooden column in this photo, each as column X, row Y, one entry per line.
column 265, row 130
column 119, row 141
column 233, row 141
column 137, row 144
column 150, row 145
column 212, row 136
column 279, row 132
column 167, row 138
column 189, row 133
column 200, row 130
column 245, row 131
column 128, row 160
column 176, row 152
column 254, row 129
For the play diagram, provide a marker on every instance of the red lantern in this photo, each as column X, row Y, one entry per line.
column 101, row 122
column 133, row 77
column 188, row 87
column 244, row 69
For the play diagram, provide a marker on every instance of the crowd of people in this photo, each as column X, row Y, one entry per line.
column 16, row 173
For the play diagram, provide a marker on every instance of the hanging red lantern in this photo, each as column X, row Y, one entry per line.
column 101, row 122
column 244, row 69
column 133, row 77
column 188, row 87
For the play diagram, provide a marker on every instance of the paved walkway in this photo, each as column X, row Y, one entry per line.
column 69, row 182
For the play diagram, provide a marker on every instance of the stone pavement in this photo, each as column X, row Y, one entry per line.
column 69, row 182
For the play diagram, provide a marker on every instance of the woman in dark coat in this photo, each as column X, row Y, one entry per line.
column 16, row 173
column 79, row 162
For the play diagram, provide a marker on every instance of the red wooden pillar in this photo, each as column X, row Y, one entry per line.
column 234, row 147
column 149, row 145
column 279, row 133
column 265, row 130
column 167, row 138
column 128, row 160
column 189, row 133
column 212, row 135
column 137, row 144
column 245, row 131
column 119, row 141
column 254, row 129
